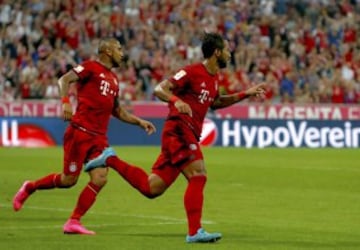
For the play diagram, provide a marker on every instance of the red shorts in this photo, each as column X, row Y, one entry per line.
column 179, row 148
column 79, row 147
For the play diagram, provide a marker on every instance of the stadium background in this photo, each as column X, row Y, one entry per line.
column 302, row 198
column 307, row 52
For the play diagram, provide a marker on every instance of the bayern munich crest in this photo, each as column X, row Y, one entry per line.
column 209, row 133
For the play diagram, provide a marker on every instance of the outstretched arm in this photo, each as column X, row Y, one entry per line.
column 123, row 115
column 224, row 101
column 164, row 92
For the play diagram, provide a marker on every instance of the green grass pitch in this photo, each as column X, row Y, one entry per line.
column 258, row 199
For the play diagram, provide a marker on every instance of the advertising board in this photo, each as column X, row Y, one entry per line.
column 248, row 133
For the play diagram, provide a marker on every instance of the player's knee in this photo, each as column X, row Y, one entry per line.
column 100, row 182
column 198, row 172
column 98, row 176
column 154, row 192
column 196, row 168
column 151, row 196
column 157, row 186
column 68, row 181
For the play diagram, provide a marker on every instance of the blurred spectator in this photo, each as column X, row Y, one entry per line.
column 307, row 51
column 51, row 91
column 287, row 88
column 7, row 92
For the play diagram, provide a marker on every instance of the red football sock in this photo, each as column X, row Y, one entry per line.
column 85, row 201
column 47, row 182
column 135, row 176
column 193, row 202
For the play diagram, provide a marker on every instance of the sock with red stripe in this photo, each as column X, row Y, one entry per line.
column 193, row 202
column 86, row 200
column 135, row 176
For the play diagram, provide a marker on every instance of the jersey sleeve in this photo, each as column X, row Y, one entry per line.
column 181, row 77
column 83, row 70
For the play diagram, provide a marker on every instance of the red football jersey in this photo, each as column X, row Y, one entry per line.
column 198, row 88
column 97, row 90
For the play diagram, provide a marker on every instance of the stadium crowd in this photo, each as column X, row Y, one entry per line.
column 307, row 51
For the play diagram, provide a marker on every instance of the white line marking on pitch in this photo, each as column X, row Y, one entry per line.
column 88, row 225
column 165, row 220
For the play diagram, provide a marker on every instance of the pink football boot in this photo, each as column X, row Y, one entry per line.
column 73, row 226
column 21, row 196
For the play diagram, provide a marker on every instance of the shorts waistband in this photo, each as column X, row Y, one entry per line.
column 84, row 129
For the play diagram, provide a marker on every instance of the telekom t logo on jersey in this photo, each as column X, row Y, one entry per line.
column 104, row 87
column 203, row 95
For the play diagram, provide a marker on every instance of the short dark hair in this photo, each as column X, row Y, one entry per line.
column 210, row 42
column 105, row 42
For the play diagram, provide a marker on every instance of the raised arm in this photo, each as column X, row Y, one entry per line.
column 224, row 101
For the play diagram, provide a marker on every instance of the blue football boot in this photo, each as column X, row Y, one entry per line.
column 203, row 237
column 99, row 161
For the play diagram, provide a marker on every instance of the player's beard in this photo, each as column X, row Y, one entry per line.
column 116, row 63
column 221, row 63
column 123, row 61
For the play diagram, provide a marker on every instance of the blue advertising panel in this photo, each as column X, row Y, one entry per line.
column 249, row 133
column 288, row 133
column 42, row 132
